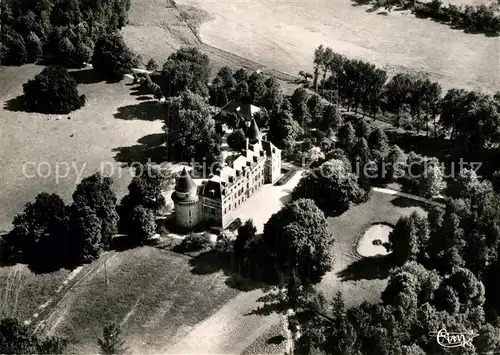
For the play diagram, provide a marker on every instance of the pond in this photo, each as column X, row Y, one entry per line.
column 371, row 243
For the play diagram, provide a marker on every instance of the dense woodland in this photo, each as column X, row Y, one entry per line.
column 64, row 30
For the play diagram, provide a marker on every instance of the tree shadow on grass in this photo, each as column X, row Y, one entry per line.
column 146, row 111
column 367, row 268
column 17, row 104
column 213, row 261
column 86, row 76
column 143, row 98
column 150, row 148
column 403, row 202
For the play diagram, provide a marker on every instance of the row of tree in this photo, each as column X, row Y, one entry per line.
column 54, row 90
column 361, row 85
column 66, row 30
column 49, row 235
column 472, row 18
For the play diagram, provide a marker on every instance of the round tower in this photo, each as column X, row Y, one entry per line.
column 185, row 197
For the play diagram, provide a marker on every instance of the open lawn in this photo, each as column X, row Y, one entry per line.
column 283, row 35
column 116, row 126
column 362, row 279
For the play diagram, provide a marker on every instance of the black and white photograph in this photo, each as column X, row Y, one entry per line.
column 250, row 177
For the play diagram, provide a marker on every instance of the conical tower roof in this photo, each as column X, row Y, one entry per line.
column 184, row 182
column 253, row 132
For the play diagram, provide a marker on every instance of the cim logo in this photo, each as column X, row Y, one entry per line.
column 454, row 340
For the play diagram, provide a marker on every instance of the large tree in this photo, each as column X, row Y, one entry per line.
column 144, row 190
column 186, row 69
column 112, row 58
column 85, row 235
column 331, row 186
column 96, row 193
column 39, row 236
column 408, row 240
column 296, row 239
column 52, row 91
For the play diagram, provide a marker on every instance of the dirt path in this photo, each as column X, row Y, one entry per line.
column 229, row 331
column 9, row 295
column 48, row 318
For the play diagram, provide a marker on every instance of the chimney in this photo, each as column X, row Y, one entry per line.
column 231, row 179
column 238, row 173
column 248, row 163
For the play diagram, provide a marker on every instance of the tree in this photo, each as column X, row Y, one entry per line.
column 241, row 75
column 152, row 65
column 16, row 53
column 273, row 98
column 39, row 233
column 331, row 118
column 112, row 58
column 33, row 47
column 96, row 193
column 17, row 338
column 186, row 69
column 283, row 129
column 111, row 342
column 257, row 87
column 377, row 140
column 398, row 92
column 296, row 239
column 141, row 225
column 192, row 135
column 331, row 186
column 246, row 233
column 346, row 137
column 362, row 129
column 236, row 140
column 300, row 96
column 85, row 230
column 144, row 190
column 409, row 238
column 431, row 182
column 396, row 163
column 52, row 91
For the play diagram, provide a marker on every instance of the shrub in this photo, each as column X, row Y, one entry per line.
column 194, row 242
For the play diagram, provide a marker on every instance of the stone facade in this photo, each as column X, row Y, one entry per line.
column 214, row 200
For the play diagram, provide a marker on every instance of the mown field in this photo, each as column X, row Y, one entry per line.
column 362, row 279
column 283, row 35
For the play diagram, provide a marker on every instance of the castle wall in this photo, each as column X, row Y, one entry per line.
column 187, row 214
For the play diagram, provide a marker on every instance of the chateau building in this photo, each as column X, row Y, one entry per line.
column 215, row 200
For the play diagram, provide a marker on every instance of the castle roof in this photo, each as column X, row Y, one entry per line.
column 253, row 131
column 184, row 182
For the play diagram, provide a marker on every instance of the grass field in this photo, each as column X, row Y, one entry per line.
column 114, row 127
column 283, row 34
column 362, row 279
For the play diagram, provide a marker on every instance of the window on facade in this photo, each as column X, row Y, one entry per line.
column 189, row 213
